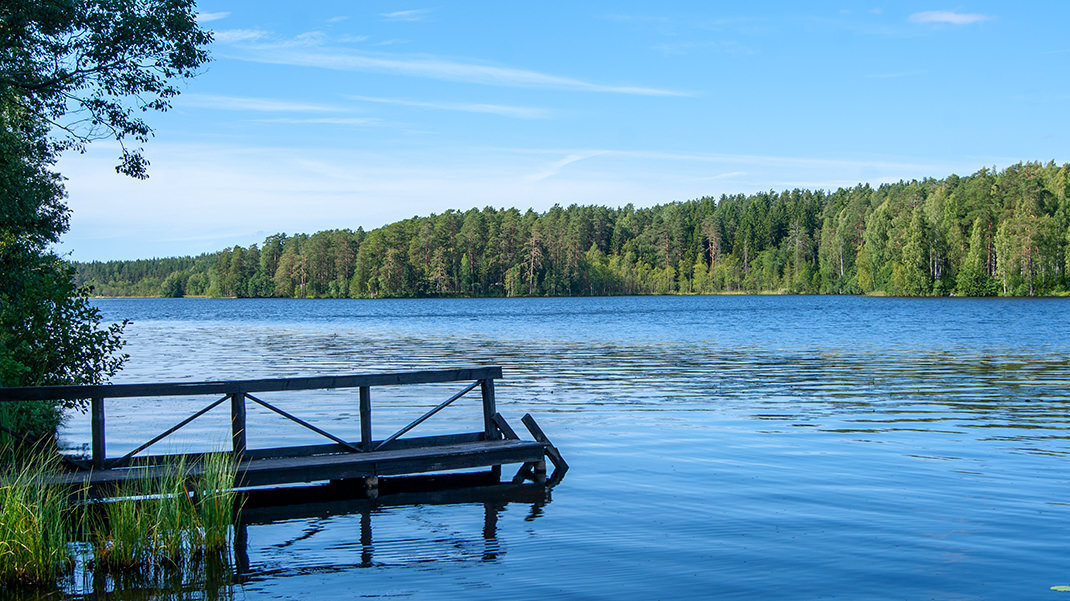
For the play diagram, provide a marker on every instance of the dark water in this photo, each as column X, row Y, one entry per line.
column 721, row 447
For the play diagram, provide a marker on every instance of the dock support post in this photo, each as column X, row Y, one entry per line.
column 490, row 429
column 539, row 469
column 100, row 449
column 366, row 418
column 237, row 422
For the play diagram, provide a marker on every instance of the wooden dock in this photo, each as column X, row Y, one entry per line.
column 494, row 445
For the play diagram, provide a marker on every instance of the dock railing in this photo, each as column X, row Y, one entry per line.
column 242, row 392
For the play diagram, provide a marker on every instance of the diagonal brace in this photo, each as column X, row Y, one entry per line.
column 122, row 460
column 304, row 423
column 424, row 417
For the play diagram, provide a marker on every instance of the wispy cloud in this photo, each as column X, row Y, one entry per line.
column 209, row 17
column 354, row 121
column 519, row 112
column 554, row 168
column 236, row 103
column 947, row 17
column 406, row 15
column 234, row 36
column 431, row 67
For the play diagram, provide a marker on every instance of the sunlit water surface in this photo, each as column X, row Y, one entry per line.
column 721, row 447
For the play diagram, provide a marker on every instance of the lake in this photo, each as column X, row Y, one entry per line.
column 785, row 447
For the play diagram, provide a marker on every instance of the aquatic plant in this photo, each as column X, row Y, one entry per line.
column 216, row 499
column 34, row 529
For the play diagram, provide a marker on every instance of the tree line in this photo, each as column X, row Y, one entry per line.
column 990, row 233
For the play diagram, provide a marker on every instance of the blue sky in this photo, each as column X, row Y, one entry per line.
column 318, row 115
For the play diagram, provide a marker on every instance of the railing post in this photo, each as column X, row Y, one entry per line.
column 100, row 447
column 490, row 429
column 237, row 422
column 366, row 418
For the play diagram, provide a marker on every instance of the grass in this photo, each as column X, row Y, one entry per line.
column 170, row 521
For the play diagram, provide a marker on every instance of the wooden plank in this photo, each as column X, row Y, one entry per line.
column 504, row 426
column 487, row 390
column 100, row 445
column 41, row 393
column 366, row 418
column 306, row 450
column 290, row 470
column 303, row 423
column 425, row 416
column 237, row 422
column 551, row 450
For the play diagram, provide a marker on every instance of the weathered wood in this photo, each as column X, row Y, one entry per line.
column 237, row 422
column 124, row 460
column 366, row 418
column 303, row 450
column 496, row 445
column 551, row 450
column 99, row 441
column 316, row 468
column 424, row 417
column 489, row 410
column 302, row 422
column 45, row 393
column 524, row 473
column 504, row 426
column 388, row 463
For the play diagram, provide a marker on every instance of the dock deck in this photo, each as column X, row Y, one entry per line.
column 366, row 460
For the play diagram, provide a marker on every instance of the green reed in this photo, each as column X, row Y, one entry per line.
column 216, row 500
column 170, row 520
column 34, row 525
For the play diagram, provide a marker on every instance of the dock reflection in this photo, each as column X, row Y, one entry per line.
column 317, row 509
column 321, row 506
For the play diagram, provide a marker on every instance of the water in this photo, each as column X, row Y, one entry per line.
column 721, row 447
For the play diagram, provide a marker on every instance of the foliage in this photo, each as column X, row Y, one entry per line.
column 71, row 71
column 88, row 69
column 978, row 235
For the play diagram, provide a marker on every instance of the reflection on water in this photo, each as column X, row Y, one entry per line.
column 749, row 446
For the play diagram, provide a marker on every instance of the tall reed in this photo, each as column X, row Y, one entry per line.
column 34, row 527
column 216, row 499
column 169, row 520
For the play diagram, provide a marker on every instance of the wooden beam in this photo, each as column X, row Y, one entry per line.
column 551, row 450
column 237, row 422
column 44, row 393
column 100, row 445
column 504, row 426
column 366, row 418
column 487, row 390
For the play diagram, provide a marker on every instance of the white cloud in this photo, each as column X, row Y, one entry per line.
column 555, row 168
column 355, row 121
column 432, row 67
column 406, row 15
column 209, row 17
column 519, row 112
column 948, row 17
column 236, row 103
column 233, row 36
column 232, row 194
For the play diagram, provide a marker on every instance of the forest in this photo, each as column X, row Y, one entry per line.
column 987, row 234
